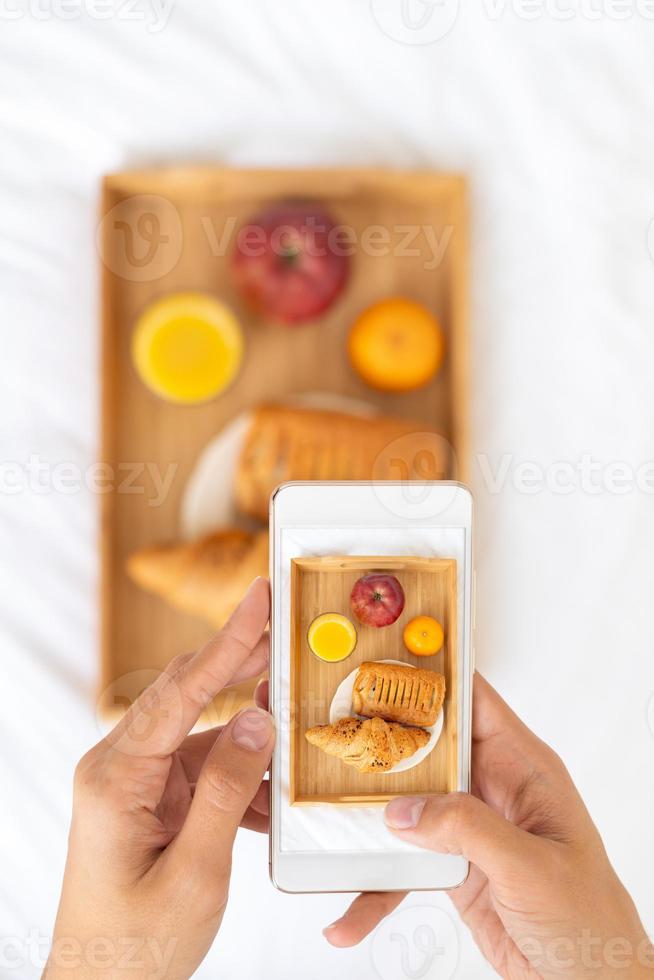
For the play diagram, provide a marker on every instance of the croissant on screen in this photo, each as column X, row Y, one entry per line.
column 373, row 745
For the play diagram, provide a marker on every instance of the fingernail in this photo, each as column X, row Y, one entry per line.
column 329, row 928
column 404, row 812
column 252, row 729
column 250, row 589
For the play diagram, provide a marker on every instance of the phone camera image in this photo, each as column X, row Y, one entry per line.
column 369, row 657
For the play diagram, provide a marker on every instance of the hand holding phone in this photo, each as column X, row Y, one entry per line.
column 541, row 898
column 155, row 815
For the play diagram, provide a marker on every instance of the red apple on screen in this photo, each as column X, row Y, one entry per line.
column 290, row 262
column 377, row 600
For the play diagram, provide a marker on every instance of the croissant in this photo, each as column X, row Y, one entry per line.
column 287, row 443
column 412, row 696
column 373, row 745
column 206, row 578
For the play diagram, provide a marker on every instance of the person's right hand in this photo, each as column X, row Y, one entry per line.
column 542, row 899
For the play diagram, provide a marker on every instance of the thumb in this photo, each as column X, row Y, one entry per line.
column 457, row 823
column 228, row 781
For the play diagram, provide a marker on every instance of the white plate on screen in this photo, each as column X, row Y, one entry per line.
column 341, row 707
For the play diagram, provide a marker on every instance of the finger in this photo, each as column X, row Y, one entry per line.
column 228, row 782
column 491, row 715
column 493, row 718
column 193, row 754
column 194, row 750
column 261, row 694
column 476, row 906
column 256, row 663
column 261, row 799
column 257, row 822
column 365, row 912
column 164, row 714
column 457, row 823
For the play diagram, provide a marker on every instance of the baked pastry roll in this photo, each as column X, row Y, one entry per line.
column 207, row 577
column 373, row 745
column 410, row 695
column 285, row 443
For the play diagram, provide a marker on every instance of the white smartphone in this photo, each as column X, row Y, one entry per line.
column 370, row 558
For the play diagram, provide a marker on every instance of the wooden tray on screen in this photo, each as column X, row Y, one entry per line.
column 324, row 584
column 169, row 229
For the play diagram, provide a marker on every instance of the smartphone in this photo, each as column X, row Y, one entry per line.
column 370, row 558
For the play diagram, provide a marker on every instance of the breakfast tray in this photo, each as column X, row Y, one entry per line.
column 164, row 230
column 324, row 584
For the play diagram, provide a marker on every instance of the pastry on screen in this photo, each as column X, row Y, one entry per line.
column 286, row 443
column 373, row 745
column 207, row 577
column 409, row 695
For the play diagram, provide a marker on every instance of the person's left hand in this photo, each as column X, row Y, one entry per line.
column 156, row 812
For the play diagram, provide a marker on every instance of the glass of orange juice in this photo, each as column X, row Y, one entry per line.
column 187, row 347
column 332, row 637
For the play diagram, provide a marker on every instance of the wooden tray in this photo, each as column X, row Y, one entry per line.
column 319, row 585
column 164, row 230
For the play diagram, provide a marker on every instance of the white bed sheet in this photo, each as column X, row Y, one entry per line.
column 552, row 120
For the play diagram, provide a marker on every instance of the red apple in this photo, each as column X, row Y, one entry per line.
column 377, row 600
column 289, row 263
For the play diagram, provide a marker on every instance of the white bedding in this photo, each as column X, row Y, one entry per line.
column 552, row 120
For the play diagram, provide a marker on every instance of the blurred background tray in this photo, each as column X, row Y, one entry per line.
column 199, row 211
column 324, row 584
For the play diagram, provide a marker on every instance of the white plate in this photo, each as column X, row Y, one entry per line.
column 208, row 499
column 341, row 707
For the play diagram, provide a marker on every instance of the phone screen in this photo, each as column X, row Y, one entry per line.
column 351, row 737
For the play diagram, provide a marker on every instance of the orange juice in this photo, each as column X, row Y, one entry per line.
column 332, row 637
column 187, row 347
